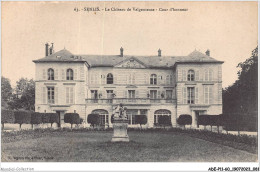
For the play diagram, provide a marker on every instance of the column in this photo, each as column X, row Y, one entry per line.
column 194, row 123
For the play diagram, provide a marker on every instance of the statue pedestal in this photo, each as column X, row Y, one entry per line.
column 120, row 130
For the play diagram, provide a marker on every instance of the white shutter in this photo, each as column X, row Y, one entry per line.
column 210, row 75
column 163, row 92
column 171, row 80
column 179, row 75
column 133, row 78
column 184, row 76
column 159, row 94
column 56, row 95
column 125, row 94
column 206, row 95
column 67, row 95
column 184, row 95
column 148, row 79
column 210, row 95
column 158, row 80
column 81, row 73
column 115, row 79
column 44, row 95
column 136, row 94
column 206, row 75
column 196, row 95
column 71, row 95
column 62, row 74
column 56, row 74
column 43, row 74
column 75, row 74
column 197, row 75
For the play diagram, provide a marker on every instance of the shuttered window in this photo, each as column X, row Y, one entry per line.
column 44, row 94
column 208, row 94
column 184, row 95
column 196, row 95
column 70, row 95
column 184, row 76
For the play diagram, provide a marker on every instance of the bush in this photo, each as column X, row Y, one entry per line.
column 7, row 116
column 141, row 119
column 46, row 117
column 72, row 118
column 93, row 119
column 36, row 118
column 184, row 119
column 164, row 120
column 54, row 118
column 22, row 117
column 204, row 120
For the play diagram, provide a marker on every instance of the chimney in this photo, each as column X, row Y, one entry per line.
column 159, row 52
column 207, row 52
column 121, row 52
column 46, row 49
column 51, row 49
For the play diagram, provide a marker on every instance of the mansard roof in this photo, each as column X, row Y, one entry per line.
column 113, row 60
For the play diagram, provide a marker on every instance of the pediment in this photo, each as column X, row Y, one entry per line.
column 131, row 63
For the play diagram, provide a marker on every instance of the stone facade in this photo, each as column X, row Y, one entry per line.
column 152, row 86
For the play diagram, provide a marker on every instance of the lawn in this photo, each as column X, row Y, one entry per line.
column 66, row 146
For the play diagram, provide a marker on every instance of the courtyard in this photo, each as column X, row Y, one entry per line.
column 95, row 146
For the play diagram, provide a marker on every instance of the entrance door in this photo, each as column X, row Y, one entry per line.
column 58, row 112
column 61, row 117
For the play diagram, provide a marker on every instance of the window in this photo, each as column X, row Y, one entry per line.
column 208, row 75
column 50, row 74
column 208, row 96
column 109, row 94
column 94, row 94
column 69, row 95
column 191, row 95
column 109, row 78
column 131, row 116
column 131, row 94
column 168, row 94
column 191, row 74
column 69, row 74
column 159, row 113
column 153, row 79
column 103, row 116
column 153, row 94
column 51, row 95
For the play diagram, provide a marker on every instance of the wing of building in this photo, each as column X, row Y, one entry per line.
column 148, row 85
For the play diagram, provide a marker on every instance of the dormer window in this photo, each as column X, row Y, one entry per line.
column 69, row 74
column 50, row 74
column 109, row 78
column 191, row 74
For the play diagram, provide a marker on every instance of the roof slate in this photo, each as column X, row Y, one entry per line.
column 112, row 60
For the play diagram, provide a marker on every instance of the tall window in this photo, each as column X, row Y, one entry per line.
column 109, row 78
column 131, row 94
column 161, row 112
column 69, row 74
column 153, row 94
column 208, row 95
column 109, row 94
column 103, row 116
column 50, row 74
column 191, row 95
column 168, row 94
column 51, row 95
column 69, row 95
column 131, row 113
column 153, row 79
column 191, row 75
column 94, row 94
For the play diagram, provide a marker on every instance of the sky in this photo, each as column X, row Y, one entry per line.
column 228, row 29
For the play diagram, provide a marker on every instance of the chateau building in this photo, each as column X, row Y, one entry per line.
column 149, row 85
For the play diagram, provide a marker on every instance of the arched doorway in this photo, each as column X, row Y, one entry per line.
column 103, row 116
column 159, row 113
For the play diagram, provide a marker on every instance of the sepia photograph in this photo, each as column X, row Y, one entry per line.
column 124, row 81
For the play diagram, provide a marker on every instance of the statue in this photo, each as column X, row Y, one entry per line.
column 120, row 124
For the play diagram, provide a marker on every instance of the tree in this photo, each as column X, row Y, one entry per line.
column 6, row 91
column 7, row 116
column 164, row 120
column 36, row 118
column 54, row 118
column 93, row 119
column 72, row 118
column 24, row 96
column 141, row 119
column 184, row 119
column 241, row 97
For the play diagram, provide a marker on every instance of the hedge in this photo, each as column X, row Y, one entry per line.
column 72, row 118
column 141, row 119
column 164, row 120
column 54, row 118
column 93, row 119
column 22, row 117
column 36, row 118
column 184, row 119
column 46, row 118
column 7, row 116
